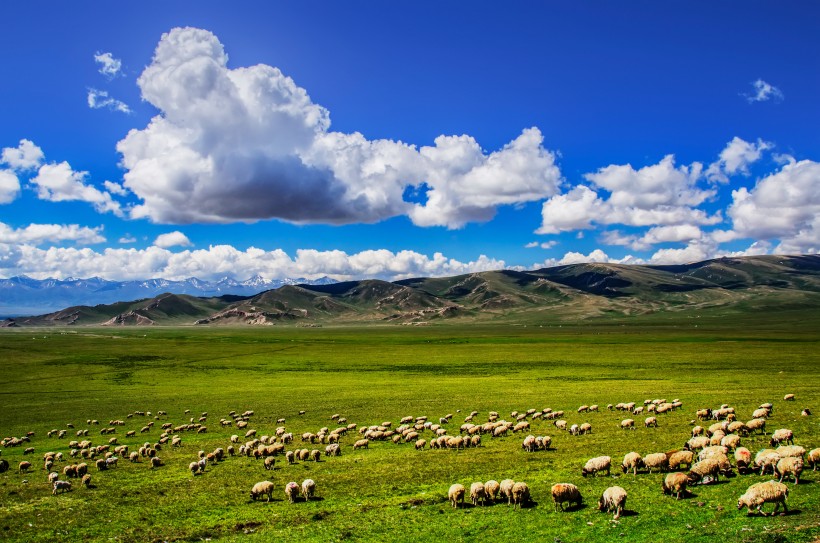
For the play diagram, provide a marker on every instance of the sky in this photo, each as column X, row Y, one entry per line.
column 394, row 139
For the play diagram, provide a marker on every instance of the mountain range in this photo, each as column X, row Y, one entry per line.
column 23, row 295
column 559, row 294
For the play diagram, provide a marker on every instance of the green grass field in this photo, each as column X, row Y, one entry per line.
column 52, row 377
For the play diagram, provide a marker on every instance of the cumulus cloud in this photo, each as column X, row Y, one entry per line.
column 26, row 156
column 36, row 234
column 224, row 260
column 109, row 66
column 98, row 99
column 247, row 144
column 172, row 239
column 659, row 194
column 763, row 91
column 9, row 186
column 115, row 188
column 59, row 183
column 127, row 238
column 783, row 206
column 735, row 159
column 659, row 234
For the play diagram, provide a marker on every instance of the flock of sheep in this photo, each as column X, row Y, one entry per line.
column 710, row 451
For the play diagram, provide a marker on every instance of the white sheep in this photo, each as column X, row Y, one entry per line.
column 613, row 499
column 766, row 458
column 783, row 435
column 756, row 424
column 478, row 493
column 594, row 465
column 789, row 465
column 456, row 494
column 813, row 459
column 565, row 493
column 86, row 480
column 65, row 486
column 308, row 489
column 743, row 459
column 657, row 461
column 269, row 462
column 761, row 493
column 194, row 467
column 491, row 489
column 678, row 458
column 628, row 424
column 632, row 461
column 263, row 488
column 506, row 487
column 791, row 450
column 789, row 397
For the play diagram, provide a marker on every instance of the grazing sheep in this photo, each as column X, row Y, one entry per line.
column 520, row 494
column 678, row 458
column 756, row 424
column 632, row 461
column 594, row 465
column 269, row 462
column 783, row 435
column 806, row 412
column 264, row 488
column 649, row 421
column 86, row 480
column 24, row 466
column 156, row 462
column 506, row 487
column 627, row 424
column 565, row 493
column 731, row 441
column 65, row 486
column 813, row 459
column 491, row 489
column 675, row 483
column 361, row 444
column 613, row 499
column 766, row 458
column 791, row 450
column 4, row 466
column 292, row 490
column 134, row 457
column 708, row 468
column 761, row 493
column 308, row 489
column 788, row 397
column 456, row 494
column 194, row 467
column 743, row 459
column 53, row 476
column 789, row 466
column 657, row 461
column 585, row 428
column 478, row 493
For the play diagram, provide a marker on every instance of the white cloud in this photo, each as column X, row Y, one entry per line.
column 247, row 144
column 543, row 245
column 9, row 186
column 223, row 260
column 172, row 239
column 109, row 66
column 763, row 91
column 735, row 158
column 26, row 156
column 98, row 99
column 127, row 238
column 115, row 188
column 783, row 206
column 36, row 234
column 659, row 234
column 660, row 194
column 59, row 183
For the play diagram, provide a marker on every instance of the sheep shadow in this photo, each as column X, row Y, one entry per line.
column 629, row 513
column 572, row 508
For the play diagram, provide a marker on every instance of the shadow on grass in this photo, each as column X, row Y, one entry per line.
column 629, row 513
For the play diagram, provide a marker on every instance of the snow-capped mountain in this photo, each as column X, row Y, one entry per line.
column 24, row 295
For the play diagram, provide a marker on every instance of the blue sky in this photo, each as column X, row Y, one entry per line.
column 371, row 139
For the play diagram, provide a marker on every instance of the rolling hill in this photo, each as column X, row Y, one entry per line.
column 564, row 293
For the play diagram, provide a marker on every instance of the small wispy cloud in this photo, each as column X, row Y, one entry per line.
column 110, row 67
column 763, row 92
column 98, row 99
column 127, row 238
column 543, row 245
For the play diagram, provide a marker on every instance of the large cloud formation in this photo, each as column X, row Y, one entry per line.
column 246, row 144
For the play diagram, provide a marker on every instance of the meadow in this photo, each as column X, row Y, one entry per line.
column 52, row 377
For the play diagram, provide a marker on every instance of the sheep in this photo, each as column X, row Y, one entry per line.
column 361, row 444
column 710, row 467
column 756, row 424
column 731, row 441
column 783, row 435
column 813, row 459
column 156, row 462
column 308, row 489
column 743, row 458
column 478, row 493
column 696, row 443
column 585, row 428
column 65, row 486
column 269, row 462
column 565, row 493
column 594, row 465
column 456, row 494
column 806, row 412
column 560, row 424
column 657, row 461
column 134, row 457
column 491, row 489
column 761, row 413
column 792, row 451
column 627, row 424
column 761, row 493
column 24, row 466
column 506, row 487
column 766, row 458
column 650, row 421
column 194, row 467
column 529, row 443
column 53, row 476
column 632, row 461
column 788, row 397
column 263, row 488
column 292, row 490
column 675, row 483
column 613, row 498
column 789, row 465
column 315, row 455
column 520, row 494
column 86, row 480
column 678, row 458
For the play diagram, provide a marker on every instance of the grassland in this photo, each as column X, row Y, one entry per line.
column 51, row 377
